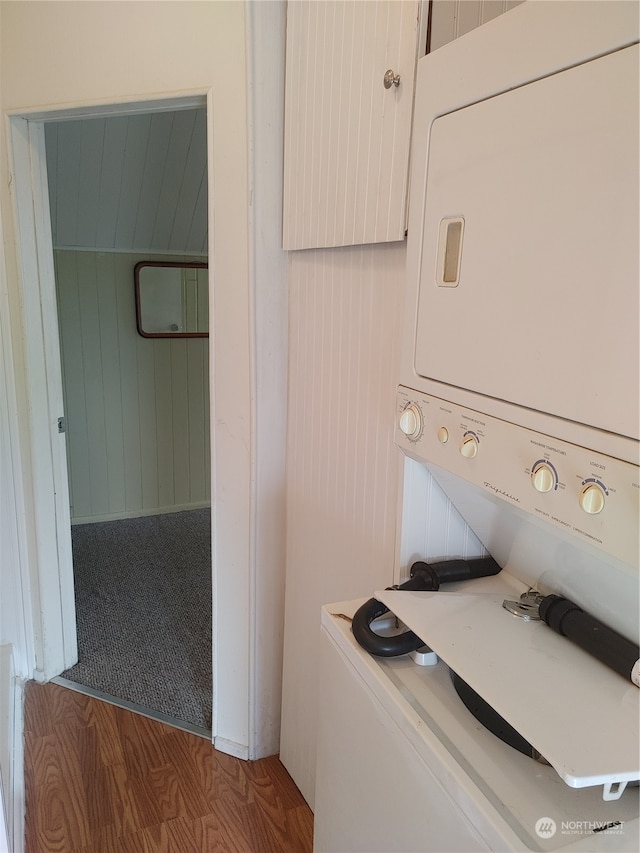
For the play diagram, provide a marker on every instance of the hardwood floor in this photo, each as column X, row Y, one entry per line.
column 100, row 779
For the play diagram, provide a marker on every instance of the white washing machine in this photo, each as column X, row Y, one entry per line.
column 517, row 408
column 403, row 765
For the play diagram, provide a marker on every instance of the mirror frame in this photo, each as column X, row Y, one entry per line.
column 136, row 278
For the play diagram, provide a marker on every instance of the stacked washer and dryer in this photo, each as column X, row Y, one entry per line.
column 518, row 401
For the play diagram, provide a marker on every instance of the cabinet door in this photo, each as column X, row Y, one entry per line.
column 346, row 149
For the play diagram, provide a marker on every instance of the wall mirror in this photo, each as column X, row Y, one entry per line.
column 172, row 299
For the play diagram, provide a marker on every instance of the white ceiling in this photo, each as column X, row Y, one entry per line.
column 130, row 183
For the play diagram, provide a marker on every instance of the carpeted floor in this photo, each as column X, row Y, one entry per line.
column 143, row 610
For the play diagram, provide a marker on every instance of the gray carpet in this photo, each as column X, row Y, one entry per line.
column 143, row 605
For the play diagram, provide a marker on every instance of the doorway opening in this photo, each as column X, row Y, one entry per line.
column 124, row 189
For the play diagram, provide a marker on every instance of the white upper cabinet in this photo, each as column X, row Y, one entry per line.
column 346, row 148
column 347, row 136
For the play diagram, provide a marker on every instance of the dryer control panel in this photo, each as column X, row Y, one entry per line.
column 583, row 493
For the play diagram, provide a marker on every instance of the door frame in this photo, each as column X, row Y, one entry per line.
column 248, row 353
column 51, row 587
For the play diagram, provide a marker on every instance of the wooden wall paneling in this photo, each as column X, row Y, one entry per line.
column 177, row 152
column 208, row 379
column 343, row 466
column 113, row 154
column 180, row 418
column 194, row 178
column 51, row 144
column 432, row 527
column 111, row 380
column 468, row 16
column 138, row 129
column 164, row 421
column 154, row 167
column 341, row 462
column 137, row 408
column 69, row 137
column 293, row 131
column 91, row 149
column 73, row 381
column 370, row 121
column 197, row 241
column 319, row 110
column 443, row 23
column 130, row 384
column 148, row 422
column 492, row 9
column 93, row 381
column 130, row 182
column 198, row 436
column 451, row 19
column 337, row 24
column 202, row 299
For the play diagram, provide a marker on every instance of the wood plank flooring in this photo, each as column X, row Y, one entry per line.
column 100, row 779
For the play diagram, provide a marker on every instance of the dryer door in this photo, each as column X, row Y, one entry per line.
column 529, row 269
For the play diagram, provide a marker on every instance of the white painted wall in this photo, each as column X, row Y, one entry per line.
column 16, row 636
column 343, row 473
column 137, row 409
column 61, row 55
column 12, row 616
column 342, row 467
column 266, row 24
column 15, row 642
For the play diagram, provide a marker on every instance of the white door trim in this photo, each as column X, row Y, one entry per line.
column 52, row 588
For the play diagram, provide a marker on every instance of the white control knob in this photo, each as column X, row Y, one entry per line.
column 592, row 499
column 469, row 446
column 443, row 435
column 543, row 478
column 411, row 421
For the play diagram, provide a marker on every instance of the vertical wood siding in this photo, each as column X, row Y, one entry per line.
column 346, row 136
column 342, row 465
column 130, row 183
column 451, row 19
column 345, row 307
column 137, row 408
column 343, row 469
column 432, row 527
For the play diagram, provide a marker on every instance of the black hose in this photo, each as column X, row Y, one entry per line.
column 373, row 643
column 596, row 638
column 426, row 577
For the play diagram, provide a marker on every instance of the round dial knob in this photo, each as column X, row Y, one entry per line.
column 543, row 478
column 411, row 421
column 443, row 435
column 469, row 446
column 592, row 499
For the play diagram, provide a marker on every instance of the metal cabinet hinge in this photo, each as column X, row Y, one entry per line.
column 62, row 424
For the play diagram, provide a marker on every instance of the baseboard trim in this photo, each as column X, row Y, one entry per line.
column 11, row 751
column 230, row 747
column 139, row 513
